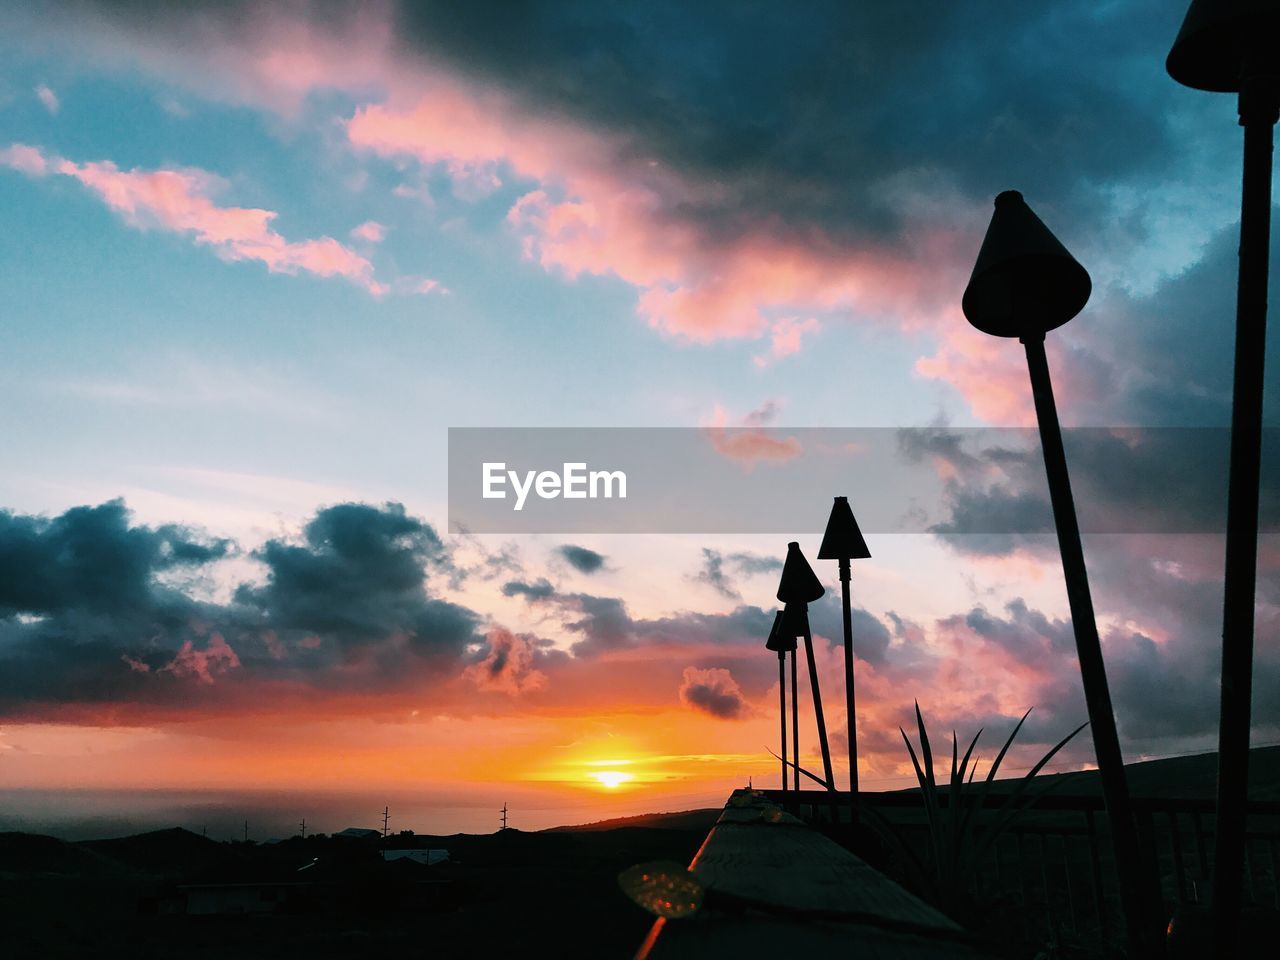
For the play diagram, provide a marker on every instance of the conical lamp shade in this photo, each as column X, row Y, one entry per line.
column 1025, row 282
column 1219, row 38
column 779, row 641
column 843, row 540
column 795, row 621
column 799, row 584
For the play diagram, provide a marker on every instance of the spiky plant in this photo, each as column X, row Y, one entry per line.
column 958, row 843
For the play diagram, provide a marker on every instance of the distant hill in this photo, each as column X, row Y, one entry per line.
column 162, row 851
column 696, row 820
column 1193, row 777
column 29, row 854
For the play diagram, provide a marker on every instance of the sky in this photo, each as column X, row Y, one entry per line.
column 259, row 258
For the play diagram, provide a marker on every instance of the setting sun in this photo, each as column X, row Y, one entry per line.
column 611, row 778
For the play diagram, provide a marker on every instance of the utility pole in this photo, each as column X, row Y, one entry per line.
column 504, row 816
column 303, row 827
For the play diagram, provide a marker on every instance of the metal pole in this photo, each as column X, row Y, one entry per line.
column 782, row 710
column 795, row 724
column 845, row 577
column 817, row 709
column 1258, row 100
column 1106, row 743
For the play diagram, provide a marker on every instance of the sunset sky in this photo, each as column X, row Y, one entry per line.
column 258, row 258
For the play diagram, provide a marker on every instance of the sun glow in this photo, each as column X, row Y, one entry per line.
column 611, row 779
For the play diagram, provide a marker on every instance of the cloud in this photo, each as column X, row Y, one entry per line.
column 714, row 574
column 48, row 99
column 508, row 664
column 358, row 577
column 785, row 338
column 713, row 691
column 751, row 443
column 91, row 561
column 581, row 559
column 679, row 163
column 370, row 231
column 995, row 497
column 217, row 657
column 99, row 615
column 179, row 201
column 538, row 590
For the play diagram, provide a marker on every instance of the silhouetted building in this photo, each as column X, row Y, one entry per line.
column 425, row 857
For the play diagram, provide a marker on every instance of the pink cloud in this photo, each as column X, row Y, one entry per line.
column 596, row 210
column 216, row 658
column 426, row 286
column 594, row 204
column 24, row 159
column 786, row 338
column 751, row 442
column 370, row 231
column 48, row 98
column 508, row 666
column 178, row 201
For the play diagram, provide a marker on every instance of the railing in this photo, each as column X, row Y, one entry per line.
column 1051, row 874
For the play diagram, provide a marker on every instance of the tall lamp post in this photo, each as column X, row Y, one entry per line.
column 843, row 541
column 782, row 644
column 1024, row 284
column 799, row 587
column 1233, row 46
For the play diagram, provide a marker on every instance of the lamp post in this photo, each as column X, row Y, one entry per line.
column 780, row 642
column 1024, row 284
column 797, row 588
column 843, row 541
column 1233, row 46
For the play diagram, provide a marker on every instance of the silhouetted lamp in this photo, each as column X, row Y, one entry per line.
column 843, row 541
column 1024, row 284
column 782, row 644
column 799, row 587
column 1233, row 46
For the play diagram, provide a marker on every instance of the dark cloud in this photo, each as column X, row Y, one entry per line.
column 604, row 623
column 713, row 691
column 1171, row 349
column 871, row 637
column 1027, row 634
column 90, row 614
column 712, row 574
column 809, row 115
column 715, row 573
column 359, row 576
column 1125, row 480
column 826, row 115
column 540, row 589
column 581, row 559
column 91, row 560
